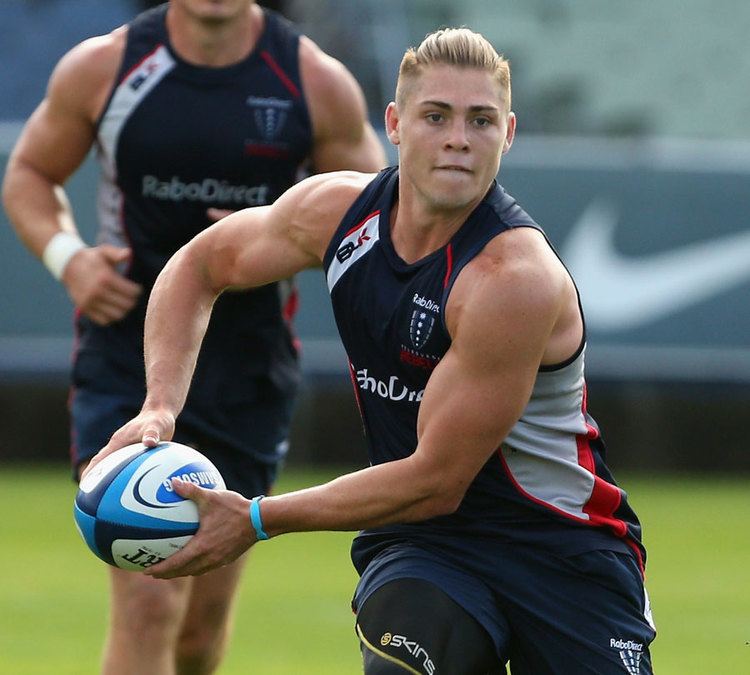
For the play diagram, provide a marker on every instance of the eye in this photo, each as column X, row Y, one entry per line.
column 434, row 117
column 482, row 122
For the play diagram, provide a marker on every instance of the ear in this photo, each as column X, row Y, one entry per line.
column 391, row 123
column 510, row 132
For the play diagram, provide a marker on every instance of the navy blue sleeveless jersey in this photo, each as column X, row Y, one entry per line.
column 173, row 140
column 547, row 484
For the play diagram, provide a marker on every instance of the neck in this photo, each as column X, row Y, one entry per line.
column 418, row 229
column 214, row 43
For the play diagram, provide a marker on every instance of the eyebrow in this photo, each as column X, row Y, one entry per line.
column 447, row 106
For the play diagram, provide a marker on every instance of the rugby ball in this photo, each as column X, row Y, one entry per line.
column 127, row 511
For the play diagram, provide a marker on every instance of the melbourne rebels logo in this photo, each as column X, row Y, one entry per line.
column 420, row 328
column 422, row 320
column 270, row 115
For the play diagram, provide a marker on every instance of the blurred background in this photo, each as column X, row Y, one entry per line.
column 633, row 152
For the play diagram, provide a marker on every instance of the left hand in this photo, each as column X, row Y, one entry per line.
column 225, row 533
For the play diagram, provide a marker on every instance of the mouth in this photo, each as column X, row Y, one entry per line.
column 454, row 167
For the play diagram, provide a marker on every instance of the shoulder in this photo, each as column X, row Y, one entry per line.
column 314, row 207
column 83, row 77
column 328, row 83
column 516, row 277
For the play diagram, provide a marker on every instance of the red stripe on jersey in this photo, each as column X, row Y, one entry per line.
column 73, row 447
column 605, row 498
column 638, row 556
column 276, row 68
column 268, row 151
column 448, row 264
column 140, row 63
column 361, row 223
column 357, row 398
column 288, row 312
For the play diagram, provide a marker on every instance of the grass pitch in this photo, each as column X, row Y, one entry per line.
column 293, row 614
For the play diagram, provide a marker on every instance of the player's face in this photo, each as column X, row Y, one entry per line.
column 452, row 129
column 213, row 10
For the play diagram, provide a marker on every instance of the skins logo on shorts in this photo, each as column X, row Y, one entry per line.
column 413, row 648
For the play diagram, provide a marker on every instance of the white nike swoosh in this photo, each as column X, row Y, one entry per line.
column 620, row 293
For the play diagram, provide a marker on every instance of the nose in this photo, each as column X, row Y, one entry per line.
column 457, row 138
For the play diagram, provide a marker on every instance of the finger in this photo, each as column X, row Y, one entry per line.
column 150, row 437
column 97, row 316
column 108, row 313
column 124, row 287
column 116, row 299
column 115, row 254
column 217, row 214
column 189, row 490
column 174, row 567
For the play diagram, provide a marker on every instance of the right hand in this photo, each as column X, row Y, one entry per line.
column 150, row 427
column 95, row 285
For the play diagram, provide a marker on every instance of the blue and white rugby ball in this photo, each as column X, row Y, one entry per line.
column 127, row 511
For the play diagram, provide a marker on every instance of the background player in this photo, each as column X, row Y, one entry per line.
column 493, row 530
column 196, row 108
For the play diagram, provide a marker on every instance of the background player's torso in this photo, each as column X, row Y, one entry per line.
column 176, row 139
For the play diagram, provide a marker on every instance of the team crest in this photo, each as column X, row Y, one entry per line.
column 420, row 327
column 270, row 115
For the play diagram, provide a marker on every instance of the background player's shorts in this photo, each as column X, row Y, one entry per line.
column 246, row 442
column 546, row 614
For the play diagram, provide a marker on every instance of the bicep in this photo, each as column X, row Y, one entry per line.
column 54, row 143
column 468, row 408
column 482, row 385
column 260, row 245
column 249, row 248
column 60, row 132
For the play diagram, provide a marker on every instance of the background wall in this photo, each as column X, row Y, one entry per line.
column 633, row 153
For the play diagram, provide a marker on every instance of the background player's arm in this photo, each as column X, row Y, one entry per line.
column 474, row 396
column 53, row 144
column 343, row 138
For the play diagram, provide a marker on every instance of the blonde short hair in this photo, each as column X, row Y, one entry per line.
column 456, row 47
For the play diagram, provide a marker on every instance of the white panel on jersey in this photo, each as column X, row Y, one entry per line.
column 541, row 452
column 354, row 246
column 136, row 85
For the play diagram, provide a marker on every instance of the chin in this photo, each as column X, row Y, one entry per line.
column 451, row 200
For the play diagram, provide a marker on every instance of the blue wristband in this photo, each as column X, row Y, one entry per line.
column 255, row 518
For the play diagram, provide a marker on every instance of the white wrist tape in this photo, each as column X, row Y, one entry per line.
column 58, row 252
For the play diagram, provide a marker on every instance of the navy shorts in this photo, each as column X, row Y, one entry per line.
column 247, row 443
column 545, row 613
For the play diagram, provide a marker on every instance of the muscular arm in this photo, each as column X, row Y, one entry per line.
column 474, row 396
column 472, row 399
column 343, row 138
column 246, row 249
column 53, row 144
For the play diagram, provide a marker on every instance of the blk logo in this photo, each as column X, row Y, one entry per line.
column 347, row 250
column 142, row 76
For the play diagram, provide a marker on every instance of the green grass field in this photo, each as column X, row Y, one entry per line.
column 293, row 615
